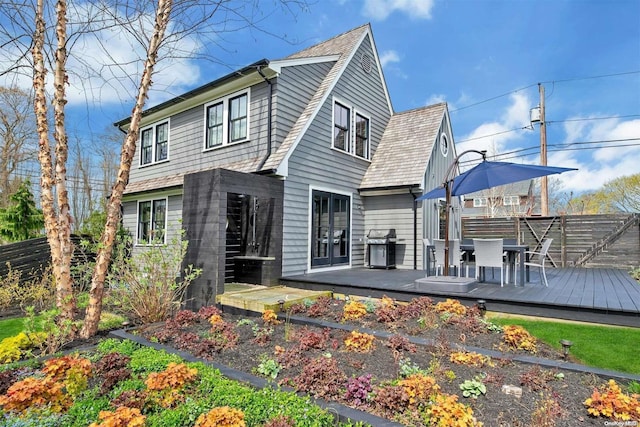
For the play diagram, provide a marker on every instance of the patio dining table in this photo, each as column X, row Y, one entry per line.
column 514, row 252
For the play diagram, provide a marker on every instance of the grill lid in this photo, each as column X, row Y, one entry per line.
column 382, row 233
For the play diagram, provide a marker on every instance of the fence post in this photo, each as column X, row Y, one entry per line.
column 563, row 240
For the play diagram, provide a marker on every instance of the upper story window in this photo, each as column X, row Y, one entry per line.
column 351, row 130
column 511, row 200
column 341, row 128
column 152, row 221
column 154, row 143
column 479, row 202
column 227, row 120
column 362, row 136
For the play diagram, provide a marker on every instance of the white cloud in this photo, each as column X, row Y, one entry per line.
column 105, row 65
column 597, row 166
column 388, row 57
column 379, row 10
column 494, row 136
column 436, row 99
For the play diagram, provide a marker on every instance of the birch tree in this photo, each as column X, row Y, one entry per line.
column 43, row 27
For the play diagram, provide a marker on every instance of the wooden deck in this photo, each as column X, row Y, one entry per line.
column 598, row 295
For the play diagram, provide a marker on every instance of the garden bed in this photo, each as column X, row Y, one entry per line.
column 393, row 359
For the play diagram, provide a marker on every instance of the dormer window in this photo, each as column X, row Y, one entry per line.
column 227, row 120
column 154, row 144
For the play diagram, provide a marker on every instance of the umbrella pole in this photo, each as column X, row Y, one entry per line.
column 447, row 189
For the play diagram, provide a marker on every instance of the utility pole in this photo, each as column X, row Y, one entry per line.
column 544, row 192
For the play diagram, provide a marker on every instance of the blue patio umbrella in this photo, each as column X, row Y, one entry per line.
column 481, row 177
column 491, row 174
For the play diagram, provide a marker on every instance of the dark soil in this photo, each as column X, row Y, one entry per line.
column 306, row 352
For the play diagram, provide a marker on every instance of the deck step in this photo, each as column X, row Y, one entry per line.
column 268, row 298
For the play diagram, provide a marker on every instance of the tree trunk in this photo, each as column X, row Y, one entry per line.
column 64, row 280
column 46, row 165
column 103, row 258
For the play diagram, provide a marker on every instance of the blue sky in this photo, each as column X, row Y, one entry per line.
column 484, row 58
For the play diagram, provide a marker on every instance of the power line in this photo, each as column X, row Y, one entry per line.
column 493, row 98
column 624, row 73
column 548, row 121
column 520, row 153
column 594, row 118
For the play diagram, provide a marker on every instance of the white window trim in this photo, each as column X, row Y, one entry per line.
column 445, row 138
column 480, row 202
column 511, row 200
column 353, row 111
column 166, row 219
column 225, row 120
column 153, row 143
column 357, row 112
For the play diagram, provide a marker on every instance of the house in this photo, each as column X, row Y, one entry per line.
column 511, row 200
column 282, row 168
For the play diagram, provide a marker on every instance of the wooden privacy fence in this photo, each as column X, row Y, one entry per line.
column 611, row 240
column 33, row 256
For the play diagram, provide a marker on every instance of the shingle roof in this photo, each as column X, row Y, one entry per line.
column 177, row 180
column 343, row 45
column 404, row 151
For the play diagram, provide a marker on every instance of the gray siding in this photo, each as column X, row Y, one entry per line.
column 396, row 211
column 315, row 164
column 434, row 177
column 294, row 88
column 174, row 215
column 186, row 141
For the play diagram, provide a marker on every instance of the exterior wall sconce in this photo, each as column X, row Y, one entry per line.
column 566, row 345
column 482, row 305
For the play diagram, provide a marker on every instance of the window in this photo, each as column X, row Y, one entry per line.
column 152, row 221
column 479, row 202
column 362, row 136
column 227, row 121
column 341, row 131
column 215, row 125
column 238, row 118
column 154, row 144
column 444, row 145
column 511, row 200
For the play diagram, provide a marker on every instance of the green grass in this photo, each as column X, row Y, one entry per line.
column 606, row 347
column 11, row 327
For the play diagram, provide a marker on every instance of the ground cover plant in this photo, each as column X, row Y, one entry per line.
column 421, row 363
column 123, row 384
column 607, row 347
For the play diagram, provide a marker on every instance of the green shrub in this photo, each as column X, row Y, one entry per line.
column 112, row 345
column 85, row 409
column 13, row 348
column 150, row 286
column 36, row 419
column 147, row 359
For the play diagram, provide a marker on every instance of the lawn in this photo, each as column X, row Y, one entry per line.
column 606, row 347
column 11, row 327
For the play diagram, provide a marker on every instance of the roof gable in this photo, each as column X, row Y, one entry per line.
column 404, row 152
column 344, row 47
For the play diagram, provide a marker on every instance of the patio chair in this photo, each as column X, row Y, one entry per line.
column 455, row 255
column 489, row 253
column 537, row 259
column 432, row 256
